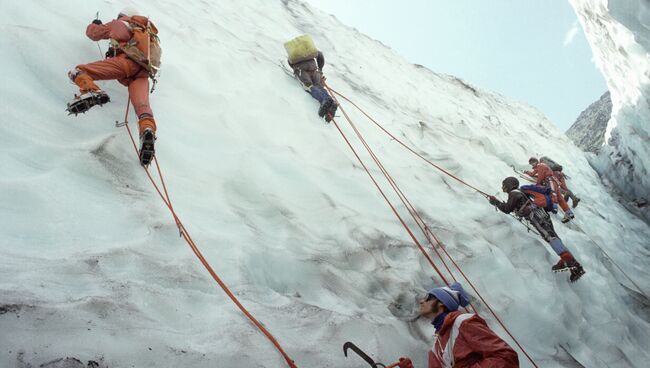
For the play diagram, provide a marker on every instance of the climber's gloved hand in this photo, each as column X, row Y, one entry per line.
column 405, row 363
column 493, row 200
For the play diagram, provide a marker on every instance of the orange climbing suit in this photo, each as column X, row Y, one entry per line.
column 544, row 175
column 120, row 67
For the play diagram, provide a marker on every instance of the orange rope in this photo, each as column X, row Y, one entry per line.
column 407, row 147
column 415, row 213
column 405, row 201
column 186, row 236
column 415, row 240
column 463, row 182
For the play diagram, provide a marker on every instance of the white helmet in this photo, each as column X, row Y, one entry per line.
column 129, row 11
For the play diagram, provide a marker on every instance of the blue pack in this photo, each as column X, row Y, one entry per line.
column 540, row 195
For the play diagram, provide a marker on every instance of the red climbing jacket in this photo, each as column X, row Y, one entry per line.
column 542, row 173
column 474, row 345
column 559, row 175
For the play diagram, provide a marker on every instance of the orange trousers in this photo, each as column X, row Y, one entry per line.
column 128, row 73
column 555, row 187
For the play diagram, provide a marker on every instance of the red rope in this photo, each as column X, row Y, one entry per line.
column 407, row 147
column 414, row 213
column 188, row 239
column 389, row 203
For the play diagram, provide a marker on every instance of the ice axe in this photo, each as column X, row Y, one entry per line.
column 364, row 356
column 99, row 47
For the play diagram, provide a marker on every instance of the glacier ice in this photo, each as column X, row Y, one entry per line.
column 91, row 265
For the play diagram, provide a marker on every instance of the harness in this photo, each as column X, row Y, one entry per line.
column 143, row 48
column 526, row 208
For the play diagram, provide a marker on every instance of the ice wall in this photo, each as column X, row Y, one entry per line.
column 619, row 34
column 91, row 265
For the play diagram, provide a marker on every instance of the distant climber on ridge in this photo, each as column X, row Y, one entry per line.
column 461, row 339
column 544, row 176
column 307, row 64
column 522, row 205
column 133, row 57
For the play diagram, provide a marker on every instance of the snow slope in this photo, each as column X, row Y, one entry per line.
column 91, row 264
column 619, row 34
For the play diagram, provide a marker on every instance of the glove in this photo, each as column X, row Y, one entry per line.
column 405, row 363
column 97, row 21
column 493, row 200
column 110, row 53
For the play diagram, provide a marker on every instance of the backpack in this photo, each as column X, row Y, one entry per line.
column 552, row 164
column 539, row 195
column 301, row 49
column 144, row 45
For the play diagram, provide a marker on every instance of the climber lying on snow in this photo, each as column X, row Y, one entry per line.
column 461, row 339
column 130, row 65
column 525, row 203
column 307, row 64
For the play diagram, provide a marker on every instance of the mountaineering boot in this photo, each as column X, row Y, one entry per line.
column 560, row 266
column 576, row 272
column 568, row 216
column 82, row 103
column 565, row 263
column 147, row 140
column 325, row 107
column 90, row 93
column 147, row 128
column 329, row 115
column 575, row 202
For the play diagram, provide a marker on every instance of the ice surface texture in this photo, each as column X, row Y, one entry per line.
column 91, row 265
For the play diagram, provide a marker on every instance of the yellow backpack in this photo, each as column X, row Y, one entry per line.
column 301, row 48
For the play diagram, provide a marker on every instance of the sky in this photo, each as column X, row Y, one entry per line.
column 533, row 51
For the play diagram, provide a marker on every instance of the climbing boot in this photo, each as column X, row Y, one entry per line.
column 576, row 272
column 566, row 261
column 147, row 140
column 575, row 202
column 83, row 102
column 331, row 112
column 560, row 266
column 568, row 216
column 325, row 107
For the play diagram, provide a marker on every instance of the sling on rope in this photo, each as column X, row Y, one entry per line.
column 188, row 239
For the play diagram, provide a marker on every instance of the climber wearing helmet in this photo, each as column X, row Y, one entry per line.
column 523, row 207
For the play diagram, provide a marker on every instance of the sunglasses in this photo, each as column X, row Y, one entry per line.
column 429, row 298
